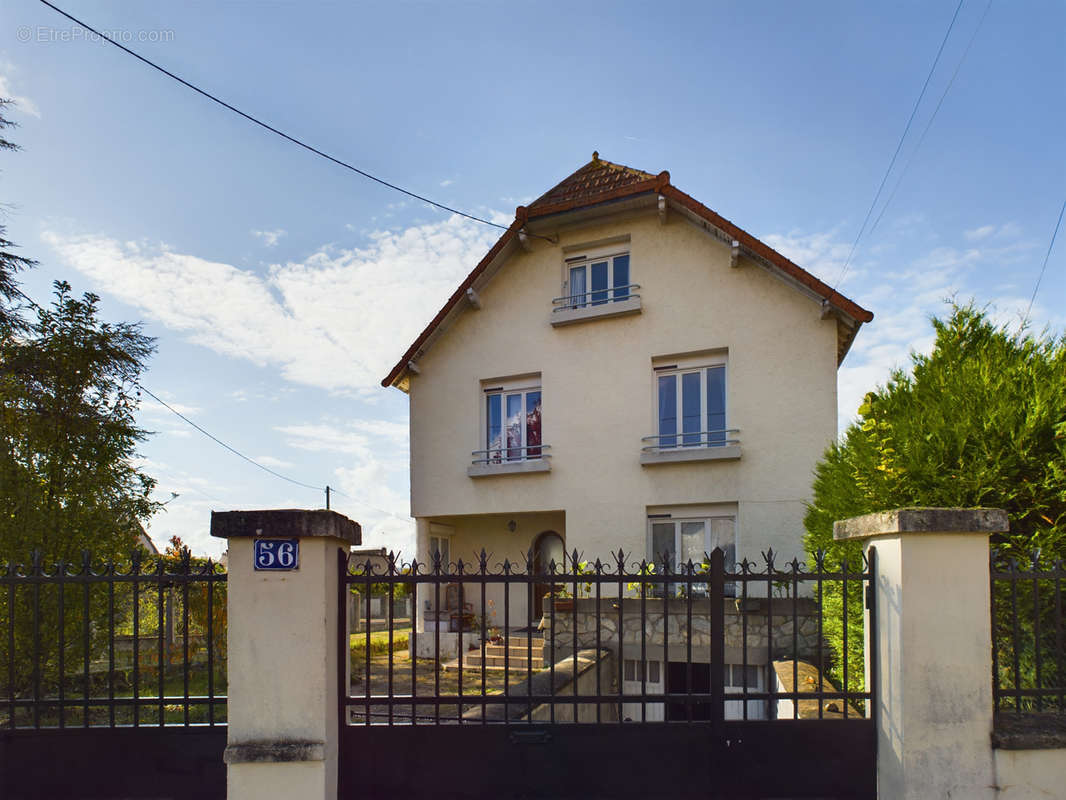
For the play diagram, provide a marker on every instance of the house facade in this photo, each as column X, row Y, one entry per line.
column 625, row 369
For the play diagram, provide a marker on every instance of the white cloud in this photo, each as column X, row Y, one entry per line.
column 821, row 254
column 1007, row 230
column 373, row 486
column 446, row 183
column 977, row 234
column 269, row 238
column 158, row 409
column 336, row 320
column 21, row 102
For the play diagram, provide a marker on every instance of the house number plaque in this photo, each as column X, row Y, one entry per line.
column 275, row 554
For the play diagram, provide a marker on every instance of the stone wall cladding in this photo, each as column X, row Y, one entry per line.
column 748, row 625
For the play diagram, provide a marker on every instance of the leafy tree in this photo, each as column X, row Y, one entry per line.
column 68, row 440
column 68, row 437
column 10, row 263
column 980, row 421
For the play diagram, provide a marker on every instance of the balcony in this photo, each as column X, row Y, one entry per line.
column 509, row 461
column 673, row 448
column 617, row 301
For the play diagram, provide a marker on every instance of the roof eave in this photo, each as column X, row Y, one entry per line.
column 661, row 184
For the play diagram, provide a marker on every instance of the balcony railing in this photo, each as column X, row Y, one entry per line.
column 599, row 297
column 508, row 455
column 686, row 439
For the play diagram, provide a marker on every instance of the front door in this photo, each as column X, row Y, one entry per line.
column 547, row 548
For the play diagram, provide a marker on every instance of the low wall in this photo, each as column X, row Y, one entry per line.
column 745, row 621
column 425, row 644
column 559, row 683
column 800, row 676
column 1029, row 755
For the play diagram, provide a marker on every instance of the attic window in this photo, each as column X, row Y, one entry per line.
column 596, row 284
column 595, row 281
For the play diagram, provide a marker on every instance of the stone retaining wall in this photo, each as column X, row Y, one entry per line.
column 670, row 627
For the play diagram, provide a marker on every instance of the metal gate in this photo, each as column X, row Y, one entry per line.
column 624, row 680
column 113, row 678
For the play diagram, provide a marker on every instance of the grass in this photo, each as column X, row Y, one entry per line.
column 75, row 708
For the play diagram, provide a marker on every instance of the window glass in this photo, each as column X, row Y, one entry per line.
column 494, row 432
column 716, row 405
column 439, row 544
column 577, row 287
column 723, row 534
column 654, row 674
column 667, row 410
column 662, row 542
column 514, row 426
column 533, row 424
column 599, row 283
column 690, row 408
column 693, row 543
column 621, row 277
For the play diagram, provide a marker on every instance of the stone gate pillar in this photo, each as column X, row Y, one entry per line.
column 932, row 650
column 282, row 657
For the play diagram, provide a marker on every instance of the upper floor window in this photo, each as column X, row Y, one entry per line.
column 513, row 423
column 691, row 406
column 596, row 280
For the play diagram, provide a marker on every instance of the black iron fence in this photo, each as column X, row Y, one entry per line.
column 1028, row 635
column 91, row 644
column 610, row 643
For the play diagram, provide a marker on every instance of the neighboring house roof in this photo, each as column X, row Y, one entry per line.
column 601, row 182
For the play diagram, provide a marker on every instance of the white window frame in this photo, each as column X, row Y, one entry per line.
column 678, row 368
column 677, row 519
column 586, row 260
column 519, row 386
column 446, row 554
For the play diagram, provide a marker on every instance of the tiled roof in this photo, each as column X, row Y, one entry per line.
column 595, row 181
column 601, row 181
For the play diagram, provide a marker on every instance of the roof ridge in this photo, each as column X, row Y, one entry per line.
column 584, row 182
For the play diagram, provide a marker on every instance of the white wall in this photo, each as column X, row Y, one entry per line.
column 598, row 392
column 1030, row 774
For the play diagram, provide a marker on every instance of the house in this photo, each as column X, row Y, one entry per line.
column 624, row 369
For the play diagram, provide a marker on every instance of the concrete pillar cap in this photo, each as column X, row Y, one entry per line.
column 286, row 522
column 922, row 520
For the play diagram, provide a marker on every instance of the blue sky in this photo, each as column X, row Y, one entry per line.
column 282, row 288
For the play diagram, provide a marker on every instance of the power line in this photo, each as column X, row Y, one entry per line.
column 929, row 124
column 1040, row 277
column 221, row 443
column 327, row 489
column 276, row 131
column 895, row 155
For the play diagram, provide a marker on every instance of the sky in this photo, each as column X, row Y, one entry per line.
column 281, row 288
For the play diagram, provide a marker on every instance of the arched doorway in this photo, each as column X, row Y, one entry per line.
column 547, row 547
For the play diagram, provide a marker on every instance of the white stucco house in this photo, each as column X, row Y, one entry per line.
column 626, row 369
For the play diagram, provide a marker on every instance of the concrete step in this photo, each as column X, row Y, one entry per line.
column 473, row 661
column 514, row 651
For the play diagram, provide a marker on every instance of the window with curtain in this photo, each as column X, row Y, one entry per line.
column 595, row 281
column 691, row 406
column 680, row 540
column 513, row 424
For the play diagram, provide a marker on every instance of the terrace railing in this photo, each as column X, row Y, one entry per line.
column 598, row 297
